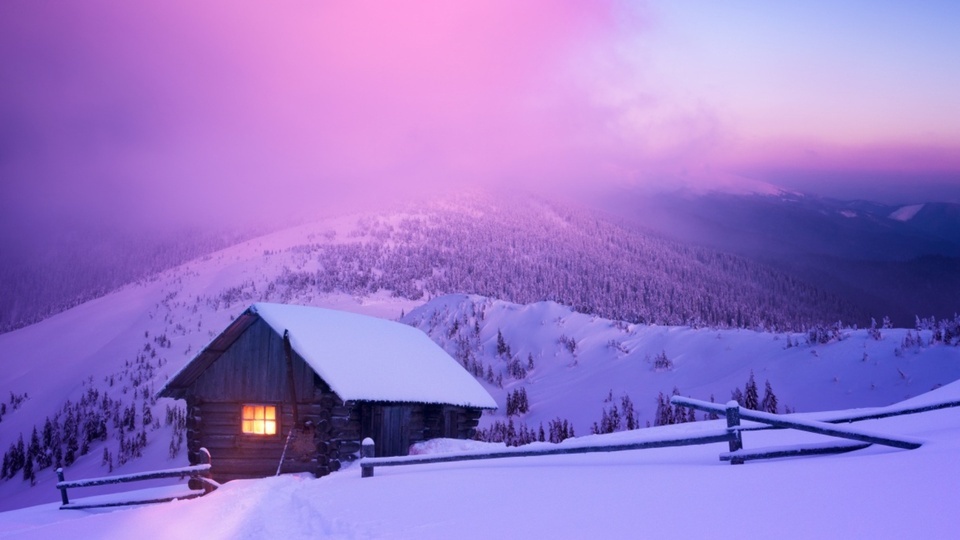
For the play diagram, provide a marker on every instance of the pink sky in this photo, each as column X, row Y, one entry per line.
column 168, row 110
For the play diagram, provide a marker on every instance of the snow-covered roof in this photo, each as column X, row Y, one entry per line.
column 370, row 359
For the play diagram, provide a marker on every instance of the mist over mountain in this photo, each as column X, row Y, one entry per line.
column 900, row 261
column 785, row 260
column 81, row 263
column 780, row 260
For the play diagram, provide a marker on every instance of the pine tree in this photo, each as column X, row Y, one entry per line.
column 679, row 411
column 501, row 344
column 46, row 455
column 629, row 412
column 712, row 415
column 147, row 415
column 751, row 397
column 769, row 403
column 664, row 415
column 737, row 395
column 28, row 472
column 34, row 448
column 17, row 458
column 70, row 439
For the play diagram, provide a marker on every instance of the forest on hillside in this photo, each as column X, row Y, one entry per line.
column 528, row 252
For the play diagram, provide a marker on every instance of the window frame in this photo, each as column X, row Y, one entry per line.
column 265, row 406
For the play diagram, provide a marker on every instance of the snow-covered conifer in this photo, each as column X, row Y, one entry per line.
column 769, row 403
column 751, row 397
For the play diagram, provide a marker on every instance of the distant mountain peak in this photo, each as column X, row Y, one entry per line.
column 906, row 213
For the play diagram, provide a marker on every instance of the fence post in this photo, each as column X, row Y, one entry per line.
column 733, row 426
column 367, row 450
column 63, row 490
column 205, row 459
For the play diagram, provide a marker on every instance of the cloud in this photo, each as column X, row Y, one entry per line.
column 159, row 113
column 176, row 111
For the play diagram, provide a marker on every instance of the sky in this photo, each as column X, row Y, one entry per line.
column 148, row 114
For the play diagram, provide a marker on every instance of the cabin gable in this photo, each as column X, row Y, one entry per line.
column 254, row 369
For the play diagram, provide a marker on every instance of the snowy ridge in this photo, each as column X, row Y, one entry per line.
column 600, row 361
column 906, row 213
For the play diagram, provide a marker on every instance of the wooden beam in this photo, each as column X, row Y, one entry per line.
column 842, row 417
column 82, row 506
column 793, row 451
column 182, row 472
column 812, row 426
column 708, row 436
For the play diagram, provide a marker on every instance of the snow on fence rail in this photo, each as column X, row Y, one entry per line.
column 368, row 462
column 884, row 412
column 198, row 474
column 737, row 455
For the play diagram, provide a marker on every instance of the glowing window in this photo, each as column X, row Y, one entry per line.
column 260, row 419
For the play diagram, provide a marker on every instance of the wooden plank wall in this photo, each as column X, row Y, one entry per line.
column 254, row 370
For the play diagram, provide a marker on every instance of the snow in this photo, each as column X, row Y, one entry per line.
column 856, row 371
column 366, row 358
column 687, row 492
column 681, row 492
column 906, row 213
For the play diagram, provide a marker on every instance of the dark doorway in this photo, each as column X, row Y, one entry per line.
column 393, row 439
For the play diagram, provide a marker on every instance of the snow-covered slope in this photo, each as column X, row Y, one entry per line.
column 584, row 364
column 674, row 492
column 101, row 363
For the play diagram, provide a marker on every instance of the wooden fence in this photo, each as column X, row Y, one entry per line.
column 199, row 475
column 737, row 455
column 368, row 462
column 850, row 438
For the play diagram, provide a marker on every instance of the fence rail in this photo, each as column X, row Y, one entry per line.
column 737, row 455
column 368, row 462
column 199, row 474
column 813, row 426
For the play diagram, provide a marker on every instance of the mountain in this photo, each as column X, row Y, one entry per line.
column 41, row 278
column 92, row 370
column 887, row 260
column 518, row 248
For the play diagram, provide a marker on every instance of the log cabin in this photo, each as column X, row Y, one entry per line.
column 296, row 389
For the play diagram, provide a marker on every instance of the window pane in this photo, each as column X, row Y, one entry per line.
column 259, row 420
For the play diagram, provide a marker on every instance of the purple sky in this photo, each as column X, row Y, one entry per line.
column 169, row 112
